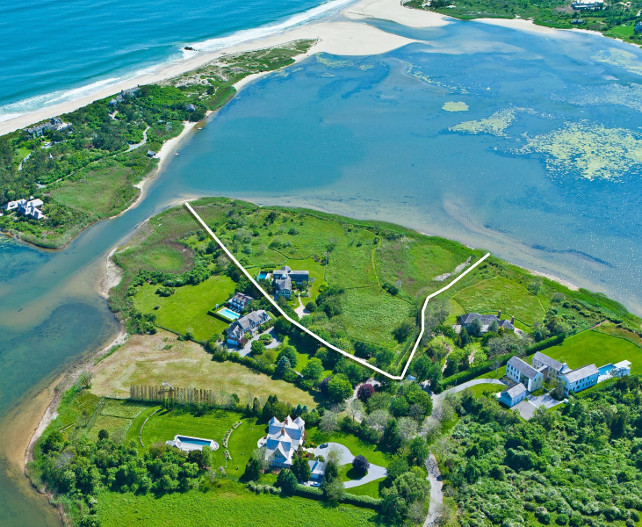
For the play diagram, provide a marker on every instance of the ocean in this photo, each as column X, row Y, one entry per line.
column 525, row 144
column 56, row 51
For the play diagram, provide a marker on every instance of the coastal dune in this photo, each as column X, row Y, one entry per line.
column 344, row 35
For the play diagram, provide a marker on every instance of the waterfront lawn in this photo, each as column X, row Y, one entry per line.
column 213, row 424
column 186, row 309
column 498, row 292
column 230, row 504
column 592, row 347
column 148, row 360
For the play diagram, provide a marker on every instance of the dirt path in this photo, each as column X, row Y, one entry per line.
column 436, row 494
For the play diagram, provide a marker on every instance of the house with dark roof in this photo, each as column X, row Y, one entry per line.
column 235, row 333
column 239, row 302
column 515, row 395
column 519, row 371
column 486, row 321
column 284, row 277
column 55, row 123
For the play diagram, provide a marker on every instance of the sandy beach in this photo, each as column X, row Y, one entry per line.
column 339, row 37
column 347, row 36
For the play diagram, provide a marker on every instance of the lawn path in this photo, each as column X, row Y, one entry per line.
column 314, row 335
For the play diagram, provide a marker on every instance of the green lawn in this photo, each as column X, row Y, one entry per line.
column 488, row 296
column 354, row 444
column 230, row 505
column 164, row 425
column 187, row 308
column 369, row 489
column 592, row 347
column 483, row 389
column 587, row 347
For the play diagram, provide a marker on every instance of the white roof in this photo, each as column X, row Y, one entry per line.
column 623, row 364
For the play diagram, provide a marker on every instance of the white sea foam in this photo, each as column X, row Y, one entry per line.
column 246, row 35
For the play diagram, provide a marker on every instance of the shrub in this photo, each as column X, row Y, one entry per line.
column 365, row 391
column 360, row 464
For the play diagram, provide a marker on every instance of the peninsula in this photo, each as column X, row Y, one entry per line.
column 181, row 416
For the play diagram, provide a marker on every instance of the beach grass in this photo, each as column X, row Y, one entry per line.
column 498, row 292
column 230, row 505
column 151, row 359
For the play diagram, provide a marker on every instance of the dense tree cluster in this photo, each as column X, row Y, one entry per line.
column 81, row 468
column 579, row 466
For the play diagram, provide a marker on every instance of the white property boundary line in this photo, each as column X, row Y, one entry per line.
column 314, row 335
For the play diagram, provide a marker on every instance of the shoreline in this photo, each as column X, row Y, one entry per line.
column 344, row 36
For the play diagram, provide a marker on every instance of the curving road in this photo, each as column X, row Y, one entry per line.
column 434, row 476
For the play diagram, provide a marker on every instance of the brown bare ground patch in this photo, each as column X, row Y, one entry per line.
column 152, row 359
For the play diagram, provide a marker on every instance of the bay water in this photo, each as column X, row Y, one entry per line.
column 376, row 137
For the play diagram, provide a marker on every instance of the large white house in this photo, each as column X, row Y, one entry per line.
column 519, row 371
column 580, row 379
column 30, row 208
column 283, row 440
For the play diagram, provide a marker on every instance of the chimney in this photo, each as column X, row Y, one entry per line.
column 282, row 431
column 512, row 319
column 499, row 314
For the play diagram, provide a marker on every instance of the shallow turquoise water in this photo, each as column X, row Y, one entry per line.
column 368, row 137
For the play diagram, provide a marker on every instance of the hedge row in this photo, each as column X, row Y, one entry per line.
column 316, row 493
column 489, row 365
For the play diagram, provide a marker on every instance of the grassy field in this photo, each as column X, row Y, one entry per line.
column 100, row 192
column 186, row 310
column 152, row 359
column 498, row 292
column 164, row 425
column 369, row 489
column 230, row 505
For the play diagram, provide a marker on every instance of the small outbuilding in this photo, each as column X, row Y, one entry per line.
column 514, row 395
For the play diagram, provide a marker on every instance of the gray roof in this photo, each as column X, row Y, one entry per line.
column 506, row 324
column 548, row 361
column 486, row 320
column 241, row 298
column 516, row 390
column 581, row 373
column 239, row 327
column 283, row 284
column 522, row 367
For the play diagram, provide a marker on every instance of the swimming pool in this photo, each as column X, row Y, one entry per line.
column 228, row 314
column 189, row 443
column 263, row 275
column 606, row 369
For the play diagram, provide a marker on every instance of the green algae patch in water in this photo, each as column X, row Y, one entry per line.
column 330, row 62
column 593, row 150
column 620, row 58
column 455, row 106
column 496, row 124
